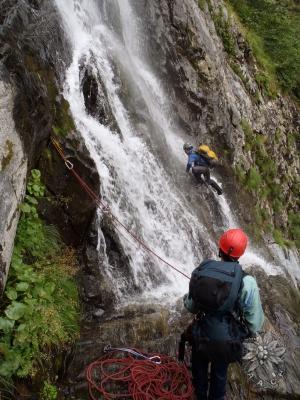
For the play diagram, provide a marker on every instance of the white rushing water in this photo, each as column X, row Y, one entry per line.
column 137, row 182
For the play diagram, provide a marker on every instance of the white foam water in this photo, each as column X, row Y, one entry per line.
column 148, row 196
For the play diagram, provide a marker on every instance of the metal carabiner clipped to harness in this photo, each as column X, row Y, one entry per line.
column 69, row 165
column 154, row 359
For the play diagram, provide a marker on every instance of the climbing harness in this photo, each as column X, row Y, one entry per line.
column 105, row 208
column 131, row 374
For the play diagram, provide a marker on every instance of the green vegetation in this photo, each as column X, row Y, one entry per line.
column 253, row 179
column 202, row 4
column 294, row 227
column 240, row 173
column 235, row 66
column 279, row 239
column 8, row 156
column 223, row 28
column 49, row 392
column 40, row 309
column 63, row 121
column 273, row 31
column 261, row 180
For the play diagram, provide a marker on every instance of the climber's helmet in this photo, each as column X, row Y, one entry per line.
column 187, row 147
column 233, row 243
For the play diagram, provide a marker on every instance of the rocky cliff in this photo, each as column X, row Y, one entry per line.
column 211, row 75
column 215, row 88
column 34, row 55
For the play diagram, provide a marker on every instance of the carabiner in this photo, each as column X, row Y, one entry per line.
column 69, row 165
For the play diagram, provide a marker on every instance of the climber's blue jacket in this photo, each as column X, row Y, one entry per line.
column 196, row 159
column 249, row 302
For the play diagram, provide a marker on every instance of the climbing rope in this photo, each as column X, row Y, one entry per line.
column 105, row 208
column 131, row 374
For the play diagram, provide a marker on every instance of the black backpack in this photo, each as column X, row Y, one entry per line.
column 218, row 330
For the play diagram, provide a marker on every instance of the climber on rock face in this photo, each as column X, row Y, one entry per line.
column 200, row 162
column 228, row 309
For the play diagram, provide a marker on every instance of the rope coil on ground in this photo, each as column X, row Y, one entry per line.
column 119, row 375
column 105, row 208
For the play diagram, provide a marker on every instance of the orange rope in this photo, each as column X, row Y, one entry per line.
column 106, row 208
column 121, row 376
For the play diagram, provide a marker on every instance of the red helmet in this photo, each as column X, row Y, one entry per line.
column 233, row 242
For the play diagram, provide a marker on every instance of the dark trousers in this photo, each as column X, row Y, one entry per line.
column 200, row 170
column 218, row 377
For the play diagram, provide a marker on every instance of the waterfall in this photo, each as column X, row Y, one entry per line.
column 141, row 163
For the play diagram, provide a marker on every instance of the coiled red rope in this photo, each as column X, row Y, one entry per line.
column 118, row 375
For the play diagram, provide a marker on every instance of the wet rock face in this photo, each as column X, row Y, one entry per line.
column 35, row 53
column 73, row 210
column 30, row 41
column 156, row 328
column 151, row 328
column 13, row 170
column 95, row 97
column 212, row 92
column 281, row 304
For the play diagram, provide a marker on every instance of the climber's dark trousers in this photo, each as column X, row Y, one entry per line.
column 198, row 171
column 218, row 378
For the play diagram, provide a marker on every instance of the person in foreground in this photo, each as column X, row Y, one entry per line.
column 200, row 162
column 228, row 309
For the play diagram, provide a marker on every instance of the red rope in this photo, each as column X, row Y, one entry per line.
column 120, row 376
column 106, row 208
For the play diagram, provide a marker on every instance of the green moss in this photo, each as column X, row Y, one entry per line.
column 291, row 139
column 210, row 6
column 202, row 4
column 268, row 169
column 59, row 108
column 266, row 84
column 264, row 192
column 277, row 205
column 247, row 129
column 46, row 154
column 260, row 179
column 64, row 123
column 278, row 136
column 253, row 179
column 259, row 219
column 235, row 66
column 294, row 227
column 240, row 173
column 6, row 159
column 280, row 240
column 223, row 29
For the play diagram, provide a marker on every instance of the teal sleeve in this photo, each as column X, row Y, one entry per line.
column 251, row 304
column 189, row 304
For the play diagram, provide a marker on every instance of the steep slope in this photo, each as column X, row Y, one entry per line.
column 181, row 70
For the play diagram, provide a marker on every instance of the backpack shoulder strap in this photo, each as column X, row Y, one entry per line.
column 236, row 286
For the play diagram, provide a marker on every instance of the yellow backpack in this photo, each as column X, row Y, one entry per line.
column 207, row 152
